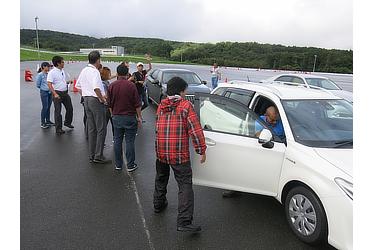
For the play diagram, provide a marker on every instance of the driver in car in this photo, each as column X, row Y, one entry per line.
column 273, row 121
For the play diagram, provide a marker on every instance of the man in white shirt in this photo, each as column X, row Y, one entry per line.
column 90, row 85
column 59, row 87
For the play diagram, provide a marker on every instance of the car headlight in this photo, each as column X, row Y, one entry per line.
column 346, row 186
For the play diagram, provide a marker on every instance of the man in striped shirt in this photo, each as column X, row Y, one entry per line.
column 176, row 121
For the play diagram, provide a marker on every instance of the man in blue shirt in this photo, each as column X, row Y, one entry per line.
column 272, row 120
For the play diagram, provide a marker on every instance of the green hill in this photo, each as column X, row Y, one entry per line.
column 235, row 54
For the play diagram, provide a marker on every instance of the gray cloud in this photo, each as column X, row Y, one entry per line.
column 318, row 23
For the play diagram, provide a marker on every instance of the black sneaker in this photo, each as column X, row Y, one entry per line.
column 60, row 132
column 69, row 125
column 102, row 161
column 132, row 168
column 44, row 126
column 49, row 123
column 189, row 228
column 118, row 168
column 161, row 208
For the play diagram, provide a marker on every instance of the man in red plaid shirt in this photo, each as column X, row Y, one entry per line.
column 176, row 121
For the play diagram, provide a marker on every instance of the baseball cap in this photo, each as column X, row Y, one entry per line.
column 139, row 63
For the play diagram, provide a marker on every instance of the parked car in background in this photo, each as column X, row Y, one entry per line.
column 310, row 171
column 312, row 81
column 157, row 79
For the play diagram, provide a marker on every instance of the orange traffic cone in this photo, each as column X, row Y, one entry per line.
column 74, row 88
column 28, row 75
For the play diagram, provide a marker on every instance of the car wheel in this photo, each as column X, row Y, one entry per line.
column 306, row 216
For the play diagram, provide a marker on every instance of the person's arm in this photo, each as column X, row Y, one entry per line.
column 54, row 93
column 98, row 84
column 149, row 65
column 101, row 97
column 196, row 133
column 38, row 81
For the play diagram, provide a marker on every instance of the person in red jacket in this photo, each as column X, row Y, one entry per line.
column 176, row 121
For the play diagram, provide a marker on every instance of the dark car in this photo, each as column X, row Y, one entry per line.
column 157, row 79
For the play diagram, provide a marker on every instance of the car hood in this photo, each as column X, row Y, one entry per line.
column 340, row 158
column 343, row 94
column 193, row 88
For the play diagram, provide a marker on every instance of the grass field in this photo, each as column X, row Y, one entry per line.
column 31, row 55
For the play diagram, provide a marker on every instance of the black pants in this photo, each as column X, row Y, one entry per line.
column 183, row 176
column 66, row 101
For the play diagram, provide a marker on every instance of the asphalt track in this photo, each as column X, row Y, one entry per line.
column 67, row 203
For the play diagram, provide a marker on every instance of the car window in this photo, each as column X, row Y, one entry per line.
column 189, row 77
column 242, row 96
column 155, row 73
column 284, row 79
column 219, row 91
column 296, row 79
column 322, row 83
column 225, row 116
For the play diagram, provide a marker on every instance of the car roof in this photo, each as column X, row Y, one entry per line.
column 283, row 91
column 300, row 75
column 177, row 70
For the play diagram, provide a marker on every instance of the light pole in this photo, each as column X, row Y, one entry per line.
column 315, row 59
column 37, row 35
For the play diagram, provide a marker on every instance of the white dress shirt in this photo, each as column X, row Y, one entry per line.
column 57, row 77
column 88, row 80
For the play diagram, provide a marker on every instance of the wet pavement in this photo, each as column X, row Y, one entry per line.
column 67, row 203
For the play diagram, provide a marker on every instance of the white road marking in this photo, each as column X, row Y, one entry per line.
column 141, row 212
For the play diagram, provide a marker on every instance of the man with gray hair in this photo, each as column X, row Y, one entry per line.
column 92, row 90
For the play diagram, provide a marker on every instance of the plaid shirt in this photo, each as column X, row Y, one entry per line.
column 176, row 121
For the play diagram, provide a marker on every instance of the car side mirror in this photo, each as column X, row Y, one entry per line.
column 265, row 139
column 156, row 82
column 204, row 82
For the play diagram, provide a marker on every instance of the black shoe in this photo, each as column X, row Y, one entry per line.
column 118, row 168
column 49, row 123
column 229, row 194
column 161, row 208
column 132, row 168
column 69, row 125
column 102, row 161
column 189, row 228
column 60, row 132
column 44, row 126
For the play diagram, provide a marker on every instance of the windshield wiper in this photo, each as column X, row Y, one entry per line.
column 339, row 144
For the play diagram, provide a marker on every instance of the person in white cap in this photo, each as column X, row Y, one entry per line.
column 139, row 78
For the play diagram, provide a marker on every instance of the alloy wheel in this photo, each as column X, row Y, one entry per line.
column 302, row 214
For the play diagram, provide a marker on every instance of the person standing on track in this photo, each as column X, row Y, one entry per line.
column 92, row 89
column 59, row 87
column 216, row 75
column 139, row 79
column 125, row 107
column 45, row 95
column 176, row 121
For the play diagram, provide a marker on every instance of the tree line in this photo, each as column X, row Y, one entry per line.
column 234, row 54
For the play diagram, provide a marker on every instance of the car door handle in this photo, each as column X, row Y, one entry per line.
column 210, row 142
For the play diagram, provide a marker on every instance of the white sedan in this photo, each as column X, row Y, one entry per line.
column 312, row 81
column 309, row 171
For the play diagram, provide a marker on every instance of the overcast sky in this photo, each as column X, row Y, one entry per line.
column 312, row 23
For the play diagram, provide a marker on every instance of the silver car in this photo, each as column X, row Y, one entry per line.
column 312, row 81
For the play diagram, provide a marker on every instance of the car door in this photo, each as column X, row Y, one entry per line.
column 235, row 158
column 153, row 87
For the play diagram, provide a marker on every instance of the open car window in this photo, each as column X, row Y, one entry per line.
column 224, row 115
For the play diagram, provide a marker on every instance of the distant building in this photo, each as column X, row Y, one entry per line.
column 114, row 51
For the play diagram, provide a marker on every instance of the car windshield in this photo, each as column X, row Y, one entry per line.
column 189, row 77
column 321, row 123
column 322, row 83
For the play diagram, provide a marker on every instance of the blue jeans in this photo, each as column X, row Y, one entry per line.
column 144, row 99
column 214, row 82
column 46, row 99
column 127, row 126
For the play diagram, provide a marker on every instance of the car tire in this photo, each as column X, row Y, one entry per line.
column 306, row 216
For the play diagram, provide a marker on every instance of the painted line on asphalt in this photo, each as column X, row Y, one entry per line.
column 141, row 212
